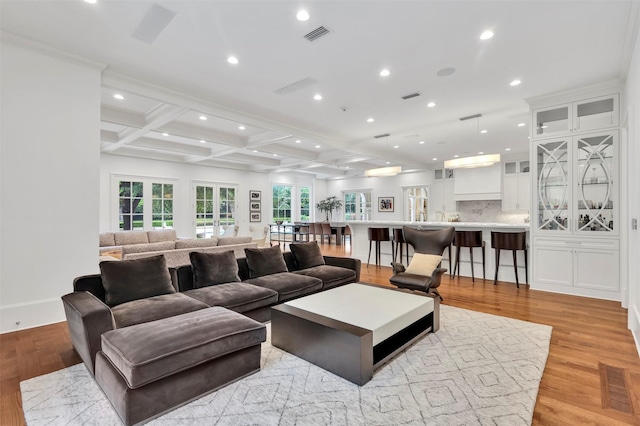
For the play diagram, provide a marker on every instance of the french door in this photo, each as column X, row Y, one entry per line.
column 215, row 208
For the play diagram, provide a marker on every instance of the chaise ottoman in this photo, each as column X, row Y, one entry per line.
column 148, row 369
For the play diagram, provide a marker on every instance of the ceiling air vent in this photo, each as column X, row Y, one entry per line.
column 317, row 33
column 411, row 95
column 382, row 136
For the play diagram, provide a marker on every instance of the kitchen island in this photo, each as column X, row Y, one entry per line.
column 360, row 247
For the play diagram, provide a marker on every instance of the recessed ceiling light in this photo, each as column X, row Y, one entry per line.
column 385, row 72
column 434, row 159
column 275, row 155
column 317, row 146
column 481, row 152
column 483, row 131
column 431, row 104
column 346, row 167
column 456, row 156
column 369, row 120
column 515, row 83
column 165, row 134
column 118, row 96
column 91, row 1
column 317, row 97
column 388, row 162
column 298, row 141
column 203, row 141
column 521, row 124
column 302, row 15
column 203, row 117
column 507, row 149
column 232, row 60
column 421, row 142
column 486, row 35
column 241, row 127
column 396, row 146
column 255, row 150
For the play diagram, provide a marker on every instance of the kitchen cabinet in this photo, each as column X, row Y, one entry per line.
column 441, row 200
column 516, row 186
column 478, row 183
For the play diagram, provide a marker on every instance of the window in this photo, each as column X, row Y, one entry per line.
column 131, row 205
column 162, row 205
column 305, row 201
column 357, row 205
column 204, row 212
column 417, row 203
column 213, row 213
column 227, row 206
column 282, row 203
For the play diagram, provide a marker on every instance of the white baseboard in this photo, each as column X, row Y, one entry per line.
column 634, row 324
column 28, row 315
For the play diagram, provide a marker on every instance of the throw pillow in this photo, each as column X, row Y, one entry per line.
column 265, row 261
column 423, row 264
column 213, row 268
column 129, row 280
column 306, row 255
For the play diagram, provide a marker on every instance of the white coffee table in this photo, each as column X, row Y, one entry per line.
column 353, row 329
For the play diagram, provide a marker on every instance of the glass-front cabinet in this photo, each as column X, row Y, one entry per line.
column 576, row 186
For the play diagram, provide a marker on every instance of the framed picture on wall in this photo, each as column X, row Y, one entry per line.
column 255, row 217
column 385, row 204
column 254, row 206
column 255, row 195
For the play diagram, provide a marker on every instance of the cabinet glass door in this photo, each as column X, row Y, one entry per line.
column 595, row 183
column 598, row 113
column 552, row 121
column 553, row 185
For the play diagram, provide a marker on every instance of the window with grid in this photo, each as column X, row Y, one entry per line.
column 162, row 205
column 204, row 211
column 227, row 205
column 305, row 202
column 282, row 203
column 130, row 205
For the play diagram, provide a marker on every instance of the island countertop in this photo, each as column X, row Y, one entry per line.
column 475, row 225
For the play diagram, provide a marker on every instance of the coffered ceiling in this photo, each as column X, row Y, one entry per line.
column 168, row 61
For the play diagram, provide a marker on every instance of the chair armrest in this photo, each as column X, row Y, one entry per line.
column 397, row 267
column 345, row 262
column 88, row 319
column 436, row 275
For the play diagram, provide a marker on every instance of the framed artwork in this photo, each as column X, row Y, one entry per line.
column 385, row 204
column 255, row 217
column 255, row 195
column 254, row 206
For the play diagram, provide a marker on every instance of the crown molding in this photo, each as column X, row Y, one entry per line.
column 570, row 95
column 631, row 37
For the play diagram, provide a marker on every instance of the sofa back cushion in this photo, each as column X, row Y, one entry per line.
column 227, row 241
column 124, row 238
column 129, row 280
column 213, row 268
column 197, row 243
column 265, row 261
column 143, row 248
column 107, row 239
column 306, row 255
column 159, row 235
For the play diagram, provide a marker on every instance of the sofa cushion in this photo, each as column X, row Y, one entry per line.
column 423, row 264
column 196, row 243
column 130, row 237
column 227, row 241
column 167, row 349
column 107, row 239
column 148, row 247
column 287, row 284
column 129, row 280
column 331, row 276
column 239, row 297
column 158, row 235
column 265, row 261
column 213, row 268
column 154, row 308
column 306, row 255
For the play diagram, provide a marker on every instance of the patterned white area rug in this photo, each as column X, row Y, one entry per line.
column 479, row 369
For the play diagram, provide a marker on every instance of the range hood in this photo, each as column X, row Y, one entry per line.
column 483, row 183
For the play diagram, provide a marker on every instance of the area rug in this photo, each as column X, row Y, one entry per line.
column 479, row 369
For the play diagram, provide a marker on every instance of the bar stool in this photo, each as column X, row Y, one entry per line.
column 510, row 241
column 398, row 238
column 378, row 235
column 469, row 239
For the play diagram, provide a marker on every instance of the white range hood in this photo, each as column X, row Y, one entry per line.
column 480, row 183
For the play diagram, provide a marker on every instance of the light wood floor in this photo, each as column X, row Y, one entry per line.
column 592, row 376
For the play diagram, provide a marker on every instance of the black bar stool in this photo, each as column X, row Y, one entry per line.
column 398, row 238
column 510, row 241
column 378, row 235
column 469, row 239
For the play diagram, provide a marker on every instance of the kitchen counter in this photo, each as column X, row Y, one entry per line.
column 360, row 247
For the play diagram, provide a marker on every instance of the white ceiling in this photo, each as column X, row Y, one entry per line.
column 549, row 45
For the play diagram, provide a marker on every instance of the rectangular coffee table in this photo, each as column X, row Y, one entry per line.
column 353, row 329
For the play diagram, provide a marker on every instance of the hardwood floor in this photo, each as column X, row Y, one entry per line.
column 592, row 376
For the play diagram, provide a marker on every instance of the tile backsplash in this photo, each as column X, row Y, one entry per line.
column 487, row 211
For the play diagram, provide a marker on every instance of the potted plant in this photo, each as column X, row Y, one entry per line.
column 328, row 205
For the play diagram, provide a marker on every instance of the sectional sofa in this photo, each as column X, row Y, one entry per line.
column 131, row 245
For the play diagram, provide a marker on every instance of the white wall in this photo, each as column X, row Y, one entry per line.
column 632, row 96
column 50, row 144
column 182, row 176
column 390, row 186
